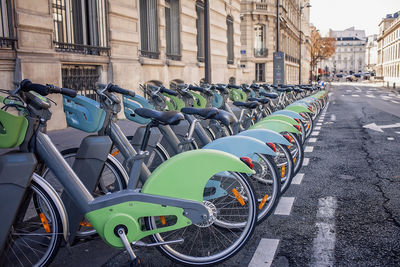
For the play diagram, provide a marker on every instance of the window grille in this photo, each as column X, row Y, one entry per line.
column 172, row 30
column 149, row 29
column 80, row 26
column 82, row 78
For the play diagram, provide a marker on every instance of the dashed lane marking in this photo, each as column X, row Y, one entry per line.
column 394, row 101
column 324, row 243
column 317, row 128
column 370, row 96
column 390, row 138
column 333, row 117
column 309, row 149
column 298, row 178
column 284, row 206
column 355, row 95
column 306, row 161
column 315, row 133
column 319, row 124
column 312, row 140
column 397, row 132
column 265, row 253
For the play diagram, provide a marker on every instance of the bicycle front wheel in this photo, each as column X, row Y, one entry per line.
column 36, row 234
column 231, row 202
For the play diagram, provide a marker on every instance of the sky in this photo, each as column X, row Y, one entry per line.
column 343, row 14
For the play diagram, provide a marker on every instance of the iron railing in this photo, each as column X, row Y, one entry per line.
column 82, row 49
column 7, row 39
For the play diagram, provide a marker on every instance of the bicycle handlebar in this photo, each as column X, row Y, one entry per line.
column 26, row 85
column 113, row 88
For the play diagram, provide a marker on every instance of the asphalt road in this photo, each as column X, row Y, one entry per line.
column 346, row 203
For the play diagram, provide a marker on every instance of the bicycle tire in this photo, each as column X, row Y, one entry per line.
column 208, row 247
column 30, row 216
column 287, row 178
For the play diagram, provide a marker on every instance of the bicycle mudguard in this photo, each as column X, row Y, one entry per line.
column 217, row 100
column 298, row 108
column 276, row 126
column 240, row 146
column 266, row 136
column 281, row 118
column 174, row 102
column 183, row 177
column 15, row 174
column 289, row 113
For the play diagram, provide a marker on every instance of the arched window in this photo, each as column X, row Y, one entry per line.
column 172, row 30
column 200, row 30
column 174, row 83
column 230, row 44
column 232, row 80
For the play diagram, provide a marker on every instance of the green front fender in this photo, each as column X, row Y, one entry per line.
column 281, row 118
column 185, row 175
column 199, row 100
column 174, row 103
column 298, row 109
column 276, row 126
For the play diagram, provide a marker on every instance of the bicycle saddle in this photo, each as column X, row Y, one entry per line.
column 224, row 117
column 205, row 113
column 172, row 117
column 249, row 105
column 259, row 100
column 270, row 95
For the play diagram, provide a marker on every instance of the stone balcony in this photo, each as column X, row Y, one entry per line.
column 257, row 8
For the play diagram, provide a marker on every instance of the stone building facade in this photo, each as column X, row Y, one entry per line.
column 388, row 67
column 258, row 39
column 349, row 56
column 371, row 53
column 76, row 43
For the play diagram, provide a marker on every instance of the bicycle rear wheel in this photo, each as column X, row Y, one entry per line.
column 232, row 207
column 36, row 234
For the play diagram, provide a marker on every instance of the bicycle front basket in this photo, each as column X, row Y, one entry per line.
column 132, row 103
column 83, row 113
column 12, row 129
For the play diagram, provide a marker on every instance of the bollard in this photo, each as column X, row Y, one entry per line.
column 394, row 85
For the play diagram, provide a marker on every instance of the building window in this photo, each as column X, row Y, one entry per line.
column 259, row 41
column 260, row 72
column 149, row 29
column 200, row 30
column 80, row 26
column 230, row 44
column 172, row 30
column 81, row 78
column 6, row 29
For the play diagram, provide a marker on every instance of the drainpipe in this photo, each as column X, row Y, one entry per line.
column 207, row 54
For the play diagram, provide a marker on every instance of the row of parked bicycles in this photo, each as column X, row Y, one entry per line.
column 203, row 166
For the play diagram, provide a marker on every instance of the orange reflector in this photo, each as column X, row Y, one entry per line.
column 163, row 221
column 294, row 160
column 298, row 121
column 308, row 125
column 263, row 201
column 45, row 223
column 85, row 223
column 238, row 196
column 116, row 152
column 272, row 146
column 283, row 171
column 247, row 161
column 297, row 127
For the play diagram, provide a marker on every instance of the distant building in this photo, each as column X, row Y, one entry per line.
column 371, row 53
column 349, row 56
column 388, row 67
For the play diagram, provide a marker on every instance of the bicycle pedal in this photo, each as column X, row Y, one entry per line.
column 136, row 262
column 122, row 234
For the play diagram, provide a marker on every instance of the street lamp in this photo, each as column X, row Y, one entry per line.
column 301, row 12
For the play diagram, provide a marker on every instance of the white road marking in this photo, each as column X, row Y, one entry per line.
column 343, row 95
column 370, row 96
column 265, row 253
column 317, row 128
column 309, row 149
column 392, row 95
column 394, row 101
column 284, row 206
column 320, row 121
column 373, row 126
column 312, row 140
column 298, row 178
column 397, row 132
column 333, row 117
column 324, row 243
column 355, row 95
column 348, row 90
column 319, row 124
column 390, row 138
column 306, row 161
column 315, row 133
column 329, row 94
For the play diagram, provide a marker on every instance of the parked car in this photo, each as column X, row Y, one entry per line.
column 351, row 78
